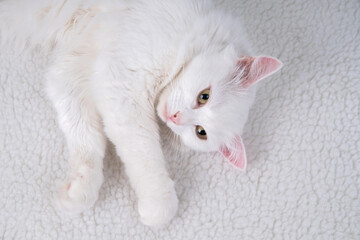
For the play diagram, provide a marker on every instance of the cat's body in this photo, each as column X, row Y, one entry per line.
column 118, row 66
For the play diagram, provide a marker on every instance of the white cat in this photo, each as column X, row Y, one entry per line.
column 119, row 65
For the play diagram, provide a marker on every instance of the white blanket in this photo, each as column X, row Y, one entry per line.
column 302, row 139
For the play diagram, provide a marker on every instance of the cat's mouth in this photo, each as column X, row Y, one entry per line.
column 164, row 113
column 161, row 107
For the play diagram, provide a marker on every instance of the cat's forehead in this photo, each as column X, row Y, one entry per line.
column 223, row 117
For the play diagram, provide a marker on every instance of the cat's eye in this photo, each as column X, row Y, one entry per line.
column 204, row 96
column 200, row 132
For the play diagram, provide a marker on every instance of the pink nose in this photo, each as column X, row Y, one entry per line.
column 175, row 118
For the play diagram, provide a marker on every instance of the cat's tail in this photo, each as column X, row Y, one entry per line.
column 26, row 24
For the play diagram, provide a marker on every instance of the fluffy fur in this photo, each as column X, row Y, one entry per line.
column 118, row 66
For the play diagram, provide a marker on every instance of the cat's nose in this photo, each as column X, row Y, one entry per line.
column 175, row 118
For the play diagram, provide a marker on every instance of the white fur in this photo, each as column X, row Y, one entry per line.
column 115, row 65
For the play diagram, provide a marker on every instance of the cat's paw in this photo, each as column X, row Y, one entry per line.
column 158, row 210
column 80, row 192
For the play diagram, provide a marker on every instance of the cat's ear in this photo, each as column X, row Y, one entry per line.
column 235, row 153
column 253, row 69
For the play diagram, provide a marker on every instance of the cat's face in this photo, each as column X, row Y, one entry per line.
column 203, row 106
column 207, row 104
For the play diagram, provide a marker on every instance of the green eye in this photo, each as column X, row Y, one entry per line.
column 200, row 132
column 204, row 96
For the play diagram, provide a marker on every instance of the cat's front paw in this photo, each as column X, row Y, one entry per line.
column 158, row 210
column 80, row 192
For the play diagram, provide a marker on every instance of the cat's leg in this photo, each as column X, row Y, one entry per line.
column 82, row 126
column 132, row 127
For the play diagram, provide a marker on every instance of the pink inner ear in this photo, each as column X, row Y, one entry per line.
column 255, row 69
column 235, row 153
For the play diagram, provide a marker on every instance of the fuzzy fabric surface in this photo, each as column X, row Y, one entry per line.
column 302, row 140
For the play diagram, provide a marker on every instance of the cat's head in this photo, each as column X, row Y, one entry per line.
column 207, row 104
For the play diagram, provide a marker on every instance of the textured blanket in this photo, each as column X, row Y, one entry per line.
column 302, row 139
